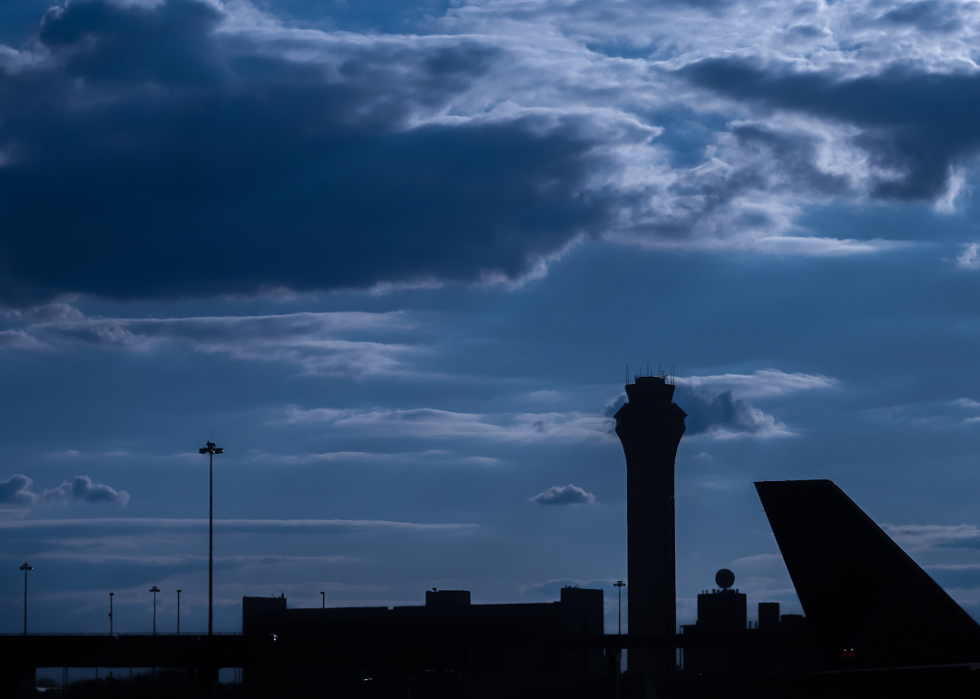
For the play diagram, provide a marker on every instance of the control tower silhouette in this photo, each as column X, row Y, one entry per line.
column 650, row 427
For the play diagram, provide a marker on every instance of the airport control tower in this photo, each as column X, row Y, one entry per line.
column 650, row 427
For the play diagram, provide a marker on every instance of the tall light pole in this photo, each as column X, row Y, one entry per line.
column 25, row 568
column 178, row 612
column 323, row 597
column 619, row 651
column 620, row 584
column 211, row 450
column 154, row 590
column 110, row 612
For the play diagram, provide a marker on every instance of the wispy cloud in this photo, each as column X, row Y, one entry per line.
column 763, row 383
column 177, row 559
column 429, row 423
column 72, row 454
column 825, row 247
column 920, row 537
column 759, row 559
column 243, row 525
column 321, row 344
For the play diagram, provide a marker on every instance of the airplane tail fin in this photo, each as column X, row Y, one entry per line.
column 861, row 593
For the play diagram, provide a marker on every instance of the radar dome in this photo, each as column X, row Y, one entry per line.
column 724, row 578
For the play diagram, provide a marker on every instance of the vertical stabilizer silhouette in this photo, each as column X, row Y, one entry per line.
column 868, row 603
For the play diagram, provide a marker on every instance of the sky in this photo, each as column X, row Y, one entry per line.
column 399, row 257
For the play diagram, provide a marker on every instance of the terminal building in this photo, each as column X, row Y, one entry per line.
column 447, row 637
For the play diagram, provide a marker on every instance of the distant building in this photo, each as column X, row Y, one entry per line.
column 724, row 612
column 447, row 634
column 650, row 427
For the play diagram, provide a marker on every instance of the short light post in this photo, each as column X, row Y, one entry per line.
column 323, row 597
column 25, row 568
column 178, row 612
column 210, row 449
column 620, row 584
column 154, row 590
column 110, row 612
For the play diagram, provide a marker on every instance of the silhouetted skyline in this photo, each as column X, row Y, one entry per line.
column 396, row 258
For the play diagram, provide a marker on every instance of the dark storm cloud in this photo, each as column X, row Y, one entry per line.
column 914, row 125
column 147, row 153
column 564, row 495
column 14, row 491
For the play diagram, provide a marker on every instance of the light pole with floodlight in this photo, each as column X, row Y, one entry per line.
column 210, row 450
column 110, row 612
column 154, row 590
column 178, row 612
column 620, row 584
column 25, row 568
column 619, row 651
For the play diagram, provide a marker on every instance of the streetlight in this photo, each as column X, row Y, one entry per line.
column 178, row 612
column 25, row 568
column 619, row 651
column 620, row 584
column 154, row 590
column 323, row 596
column 110, row 612
column 210, row 449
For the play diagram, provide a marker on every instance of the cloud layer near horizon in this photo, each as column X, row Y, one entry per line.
column 14, row 491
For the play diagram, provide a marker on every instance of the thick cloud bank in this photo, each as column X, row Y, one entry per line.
column 14, row 491
column 190, row 147
column 152, row 150
column 187, row 147
column 564, row 495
